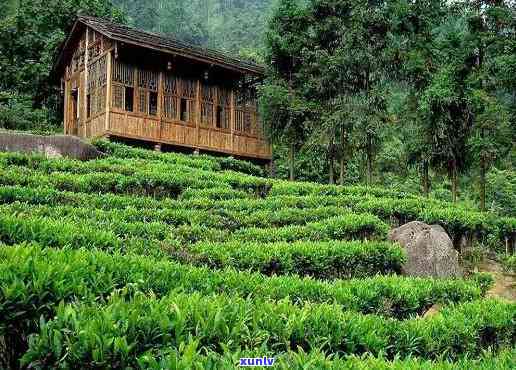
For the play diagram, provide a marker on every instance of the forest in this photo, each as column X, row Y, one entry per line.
column 382, row 235
column 414, row 95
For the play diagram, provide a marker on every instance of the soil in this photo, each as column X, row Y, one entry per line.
column 504, row 286
column 505, row 283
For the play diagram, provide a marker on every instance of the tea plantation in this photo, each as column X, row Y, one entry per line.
column 162, row 260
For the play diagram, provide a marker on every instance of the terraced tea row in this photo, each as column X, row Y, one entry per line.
column 322, row 260
column 329, row 260
column 187, row 358
column 174, row 182
column 95, row 333
column 36, row 280
column 15, row 228
column 205, row 162
column 130, row 269
column 182, row 215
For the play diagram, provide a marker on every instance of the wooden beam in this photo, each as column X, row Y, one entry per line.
column 85, row 87
column 109, row 85
column 66, row 105
column 232, row 118
column 197, row 111
column 161, row 85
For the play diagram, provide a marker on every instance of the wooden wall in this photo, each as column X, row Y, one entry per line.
column 85, row 86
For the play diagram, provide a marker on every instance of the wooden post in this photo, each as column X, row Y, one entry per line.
column 160, row 104
column 85, row 88
column 66, row 104
column 108, row 89
column 197, row 111
column 232, row 118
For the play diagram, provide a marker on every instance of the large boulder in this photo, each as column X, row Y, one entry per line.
column 55, row 146
column 429, row 250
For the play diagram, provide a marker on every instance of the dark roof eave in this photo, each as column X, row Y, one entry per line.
column 97, row 25
column 255, row 71
column 60, row 54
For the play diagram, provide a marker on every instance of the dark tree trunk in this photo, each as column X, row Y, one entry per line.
column 331, row 162
column 272, row 168
column 454, row 179
column 291, row 155
column 482, row 184
column 342, row 175
column 425, row 178
column 343, row 162
column 369, row 158
column 332, row 171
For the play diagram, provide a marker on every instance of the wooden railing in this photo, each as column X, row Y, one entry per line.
column 142, row 127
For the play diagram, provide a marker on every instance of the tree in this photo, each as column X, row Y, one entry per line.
column 444, row 103
column 29, row 39
column 343, row 74
column 491, row 28
column 283, row 109
column 413, row 38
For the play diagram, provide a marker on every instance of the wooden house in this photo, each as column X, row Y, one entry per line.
column 121, row 82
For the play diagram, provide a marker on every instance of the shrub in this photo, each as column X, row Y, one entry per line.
column 189, row 357
column 350, row 226
column 113, row 335
column 17, row 113
column 326, row 260
column 509, row 263
column 35, row 280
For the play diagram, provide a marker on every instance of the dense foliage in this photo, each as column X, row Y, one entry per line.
column 390, row 89
column 153, row 260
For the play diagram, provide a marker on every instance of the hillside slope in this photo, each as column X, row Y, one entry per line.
column 151, row 260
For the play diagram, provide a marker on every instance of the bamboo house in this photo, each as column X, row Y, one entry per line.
column 126, row 83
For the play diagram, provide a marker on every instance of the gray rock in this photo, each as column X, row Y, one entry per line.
column 429, row 250
column 55, row 146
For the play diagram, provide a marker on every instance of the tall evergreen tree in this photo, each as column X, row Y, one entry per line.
column 283, row 108
column 491, row 28
column 413, row 24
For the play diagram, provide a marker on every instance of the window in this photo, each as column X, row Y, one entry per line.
column 187, row 94
column 246, row 111
column 96, row 88
column 171, row 96
column 223, row 108
column 118, row 96
column 218, row 121
column 129, row 98
column 184, row 110
column 208, row 105
column 143, row 101
column 153, row 103
column 169, row 106
column 123, row 86
column 148, row 92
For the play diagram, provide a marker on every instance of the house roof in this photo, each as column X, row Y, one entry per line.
column 163, row 43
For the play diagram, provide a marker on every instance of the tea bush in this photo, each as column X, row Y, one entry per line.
column 163, row 260
column 114, row 334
